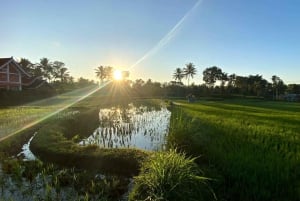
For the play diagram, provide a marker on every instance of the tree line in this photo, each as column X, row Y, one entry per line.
column 51, row 71
column 252, row 85
column 216, row 83
column 55, row 73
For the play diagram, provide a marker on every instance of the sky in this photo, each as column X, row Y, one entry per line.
column 152, row 38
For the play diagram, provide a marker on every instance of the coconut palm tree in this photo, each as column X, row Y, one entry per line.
column 46, row 67
column 100, row 73
column 189, row 71
column 63, row 74
column 178, row 74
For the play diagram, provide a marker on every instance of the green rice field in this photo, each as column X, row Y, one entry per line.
column 250, row 147
column 244, row 149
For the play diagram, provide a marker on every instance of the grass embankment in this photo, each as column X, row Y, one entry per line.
column 251, row 148
column 57, row 142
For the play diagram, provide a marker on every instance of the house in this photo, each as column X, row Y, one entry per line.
column 292, row 97
column 14, row 77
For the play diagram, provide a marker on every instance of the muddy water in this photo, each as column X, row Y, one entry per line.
column 139, row 127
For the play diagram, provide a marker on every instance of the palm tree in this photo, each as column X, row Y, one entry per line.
column 46, row 67
column 178, row 74
column 63, row 74
column 100, row 73
column 189, row 71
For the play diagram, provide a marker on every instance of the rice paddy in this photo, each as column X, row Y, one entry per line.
column 251, row 147
column 136, row 127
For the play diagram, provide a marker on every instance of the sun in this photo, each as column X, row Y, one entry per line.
column 118, row 75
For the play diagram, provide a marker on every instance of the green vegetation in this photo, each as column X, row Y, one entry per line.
column 169, row 176
column 57, row 142
column 12, row 117
column 35, row 180
column 250, row 147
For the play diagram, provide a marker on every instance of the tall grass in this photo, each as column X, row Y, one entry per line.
column 252, row 147
column 169, row 176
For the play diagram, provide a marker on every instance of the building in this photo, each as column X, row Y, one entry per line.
column 292, row 97
column 14, row 77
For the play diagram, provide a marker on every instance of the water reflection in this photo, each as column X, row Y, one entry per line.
column 140, row 127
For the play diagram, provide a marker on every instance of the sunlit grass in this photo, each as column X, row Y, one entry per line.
column 253, row 145
column 18, row 118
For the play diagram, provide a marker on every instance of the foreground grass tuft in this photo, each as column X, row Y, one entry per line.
column 169, row 176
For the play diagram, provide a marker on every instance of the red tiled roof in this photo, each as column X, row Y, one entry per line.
column 4, row 61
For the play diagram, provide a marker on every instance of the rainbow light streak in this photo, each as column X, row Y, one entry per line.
column 58, row 107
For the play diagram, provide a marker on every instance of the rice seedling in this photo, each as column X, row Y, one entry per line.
column 40, row 181
column 251, row 146
column 170, row 176
column 131, row 126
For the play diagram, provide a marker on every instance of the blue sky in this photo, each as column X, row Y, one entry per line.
column 242, row 37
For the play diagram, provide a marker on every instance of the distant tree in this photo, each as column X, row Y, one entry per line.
column 109, row 71
column 45, row 66
column 293, row 88
column 241, row 83
column 211, row 75
column 82, row 82
column 63, row 74
column 189, row 71
column 104, row 72
column 256, row 84
column 70, row 79
column 178, row 75
column 231, row 82
column 276, row 81
column 100, row 73
column 231, row 79
column 60, row 71
column 224, row 79
column 26, row 65
column 56, row 72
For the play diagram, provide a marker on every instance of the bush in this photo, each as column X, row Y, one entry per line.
column 169, row 176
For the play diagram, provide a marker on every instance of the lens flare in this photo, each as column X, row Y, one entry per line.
column 166, row 39
column 55, row 104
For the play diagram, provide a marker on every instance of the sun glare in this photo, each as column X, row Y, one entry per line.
column 117, row 75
